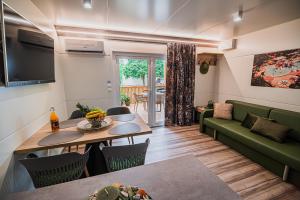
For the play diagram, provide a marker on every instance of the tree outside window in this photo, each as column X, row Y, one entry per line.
column 138, row 69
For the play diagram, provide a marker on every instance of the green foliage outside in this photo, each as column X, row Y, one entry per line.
column 125, row 99
column 159, row 69
column 138, row 69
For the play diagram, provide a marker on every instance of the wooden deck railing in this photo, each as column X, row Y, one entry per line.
column 129, row 90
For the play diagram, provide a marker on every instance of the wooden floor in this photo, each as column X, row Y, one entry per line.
column 248, row 179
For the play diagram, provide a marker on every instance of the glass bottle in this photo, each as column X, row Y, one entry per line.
column 54, row 120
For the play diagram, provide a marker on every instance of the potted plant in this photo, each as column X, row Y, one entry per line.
column 125, row 100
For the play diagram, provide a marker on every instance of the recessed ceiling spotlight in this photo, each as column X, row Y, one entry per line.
column 238, row 16
column 87, row 4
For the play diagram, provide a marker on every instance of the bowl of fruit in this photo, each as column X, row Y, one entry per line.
column 118, row 191
column 95, row 119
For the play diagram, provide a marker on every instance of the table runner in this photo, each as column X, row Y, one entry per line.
column 60, row 137
column 125, row 129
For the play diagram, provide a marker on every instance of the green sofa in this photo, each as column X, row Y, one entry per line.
column 282, row 159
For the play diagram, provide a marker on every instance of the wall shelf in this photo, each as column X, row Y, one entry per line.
column 209, row 58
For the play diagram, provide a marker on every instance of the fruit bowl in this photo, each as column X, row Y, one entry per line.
column 95, row 122
column 85, row 125
column 96, row 117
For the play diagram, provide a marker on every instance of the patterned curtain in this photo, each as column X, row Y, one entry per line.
column 180, row 84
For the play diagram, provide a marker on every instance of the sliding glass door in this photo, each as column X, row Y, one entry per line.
column 142, row 86
column 158, row 89
column 134, row 85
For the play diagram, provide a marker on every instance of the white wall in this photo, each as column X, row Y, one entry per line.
column 23, row 110
column 86, row 79
column 235, row 67
column 86, row 76
column 205, row 83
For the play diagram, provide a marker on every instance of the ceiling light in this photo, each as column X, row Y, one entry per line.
column 238, row 16
column 87, row 4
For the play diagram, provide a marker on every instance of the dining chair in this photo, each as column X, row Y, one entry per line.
column 139, row 98
column 118, row 111
column 50, row 170
column 159, row 101
column 123, row 157
column 77, row 114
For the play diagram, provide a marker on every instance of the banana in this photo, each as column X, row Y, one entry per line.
column 93, row 116
column 97, row 113
column 92, row 113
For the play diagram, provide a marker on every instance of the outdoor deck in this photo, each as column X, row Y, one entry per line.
column 144, row 113
column 130, row 90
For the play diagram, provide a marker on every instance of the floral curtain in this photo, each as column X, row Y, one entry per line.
column 180, row 84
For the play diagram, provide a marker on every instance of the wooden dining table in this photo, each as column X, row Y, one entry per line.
column 32, row 143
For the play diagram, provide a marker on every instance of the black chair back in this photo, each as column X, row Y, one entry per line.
column 77, row 114
column 50, row 170
column 118, row 111
column 127, row 156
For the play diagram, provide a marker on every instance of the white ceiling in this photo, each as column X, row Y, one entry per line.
column 207, row 19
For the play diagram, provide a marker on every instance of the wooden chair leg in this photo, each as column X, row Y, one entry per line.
column 128, row 140
column 69, row 149
column 77, row 147
column 132, row 141
column 110, row 142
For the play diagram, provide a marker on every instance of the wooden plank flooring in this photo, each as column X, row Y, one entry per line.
column 248, row 179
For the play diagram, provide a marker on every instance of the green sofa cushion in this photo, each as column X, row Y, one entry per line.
column 290, row 119
column 270, row 129
column 286, row 153
column 249, row 120
column 240, row 110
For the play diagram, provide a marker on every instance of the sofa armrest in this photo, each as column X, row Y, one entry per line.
column 205, row 114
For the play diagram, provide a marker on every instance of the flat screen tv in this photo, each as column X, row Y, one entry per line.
column 28, row 53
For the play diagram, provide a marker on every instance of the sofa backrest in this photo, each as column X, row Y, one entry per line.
column 288, row 118
column 240, row 110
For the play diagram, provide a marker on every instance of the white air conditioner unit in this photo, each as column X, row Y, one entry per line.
column 86, row 46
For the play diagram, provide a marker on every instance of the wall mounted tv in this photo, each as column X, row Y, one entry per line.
column 28, row 53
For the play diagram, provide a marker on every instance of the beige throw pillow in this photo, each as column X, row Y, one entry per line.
column 223, row 110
